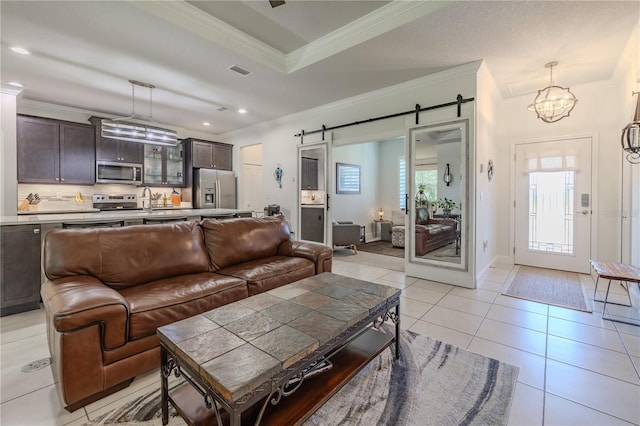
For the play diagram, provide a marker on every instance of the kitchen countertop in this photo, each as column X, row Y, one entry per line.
column 112, row 215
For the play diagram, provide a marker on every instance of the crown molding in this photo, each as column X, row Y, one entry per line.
column 213, row 29
column 379, row 21
column 10, row 90
column 384, row 19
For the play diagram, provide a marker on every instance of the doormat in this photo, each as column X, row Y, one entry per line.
column 382, row 247
column 557, row 288
column 433, row 383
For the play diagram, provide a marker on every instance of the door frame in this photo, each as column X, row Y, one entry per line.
column 593, row 249
column 465, row 276
column 326, row 145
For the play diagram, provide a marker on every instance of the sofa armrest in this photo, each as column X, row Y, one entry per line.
column 81, row 301
column 319, row 254
column 346, row 234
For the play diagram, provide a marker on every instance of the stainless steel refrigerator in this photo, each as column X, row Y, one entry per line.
column 214, row 189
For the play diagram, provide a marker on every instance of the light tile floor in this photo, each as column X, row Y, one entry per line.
column 575, row 368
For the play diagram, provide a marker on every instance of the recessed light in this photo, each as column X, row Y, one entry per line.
column 206, row 123
column 15, row 84
column 20, row 50
column 242, row 111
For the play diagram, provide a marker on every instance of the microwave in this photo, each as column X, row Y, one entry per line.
column 113, row 172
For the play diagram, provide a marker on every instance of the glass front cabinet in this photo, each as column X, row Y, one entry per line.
column 164, row 165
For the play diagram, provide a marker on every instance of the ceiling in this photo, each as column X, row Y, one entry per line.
column 302, row 54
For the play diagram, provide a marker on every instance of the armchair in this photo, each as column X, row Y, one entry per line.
column 346, row 234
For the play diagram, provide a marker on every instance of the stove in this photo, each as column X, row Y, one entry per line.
column 116, row 202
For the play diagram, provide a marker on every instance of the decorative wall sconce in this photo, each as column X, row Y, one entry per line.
column 277, row 174
column 631, row 136
column 447, row 177
column 553, row 103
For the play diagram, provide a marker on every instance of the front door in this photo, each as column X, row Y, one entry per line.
column 553, row 204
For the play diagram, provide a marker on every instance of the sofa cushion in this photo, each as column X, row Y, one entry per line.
column 397, row 217
column 162, row 302
column 266, row 274
column 129, row 256
column 235, row 241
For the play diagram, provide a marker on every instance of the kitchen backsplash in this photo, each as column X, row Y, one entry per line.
column 63, row 197
column 312, row 197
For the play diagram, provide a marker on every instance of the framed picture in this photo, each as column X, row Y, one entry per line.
column 347, row 178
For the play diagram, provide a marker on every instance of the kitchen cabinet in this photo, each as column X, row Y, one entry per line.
column 312, row 224
column 116, row 150
column 20, row 272
column 54, row 151
column 164, row 165
column 309, row 174
column 210, row 155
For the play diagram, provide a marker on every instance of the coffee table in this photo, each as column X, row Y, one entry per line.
column 238, row 360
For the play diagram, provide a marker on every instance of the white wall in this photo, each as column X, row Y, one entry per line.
column 628, row 75
column 279, row 141
column 596, row 115
column 449, row 153
column 359, row 208
column 490, row 215
column 8, row 154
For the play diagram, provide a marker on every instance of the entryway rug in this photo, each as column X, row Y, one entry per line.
column 433, row 383
column 558, row 288
column 382, row 247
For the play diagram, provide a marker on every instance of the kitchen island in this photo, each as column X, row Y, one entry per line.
column 22, row 237
column 126, row 215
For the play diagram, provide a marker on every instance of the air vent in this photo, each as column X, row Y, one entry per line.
column 242, row 71
column 221, row 109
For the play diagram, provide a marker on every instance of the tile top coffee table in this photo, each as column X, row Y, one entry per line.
column 239, row 360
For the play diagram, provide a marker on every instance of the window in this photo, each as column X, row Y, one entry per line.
column 427, row 175
column 347, row 178
column 402, row 190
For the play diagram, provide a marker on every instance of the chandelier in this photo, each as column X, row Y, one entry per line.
column 631, row 136
column 117, row 128
column 553, row 103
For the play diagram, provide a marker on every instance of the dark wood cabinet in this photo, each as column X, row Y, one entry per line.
column 116, row 150
column 309, row 173
column 210, row 155
column 53, row 151
column 312, row 224
column 20, row 272
column 164, row 165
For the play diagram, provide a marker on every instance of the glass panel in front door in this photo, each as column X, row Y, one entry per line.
column 551, row 211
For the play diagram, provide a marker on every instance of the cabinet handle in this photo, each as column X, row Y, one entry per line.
column 62, row 179
column 56, row 179
column 36, row 231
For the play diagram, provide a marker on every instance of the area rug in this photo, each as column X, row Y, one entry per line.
column 433, row 383
column 382, row 247
column 557, row 288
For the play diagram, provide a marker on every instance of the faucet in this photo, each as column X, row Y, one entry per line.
column 149, row 208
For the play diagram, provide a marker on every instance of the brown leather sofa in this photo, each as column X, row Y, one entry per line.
column 433, row 233
column 109, row 289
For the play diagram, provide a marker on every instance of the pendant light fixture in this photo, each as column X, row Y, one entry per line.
column 119, row 128
column 553, row 103
column 631, row 136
